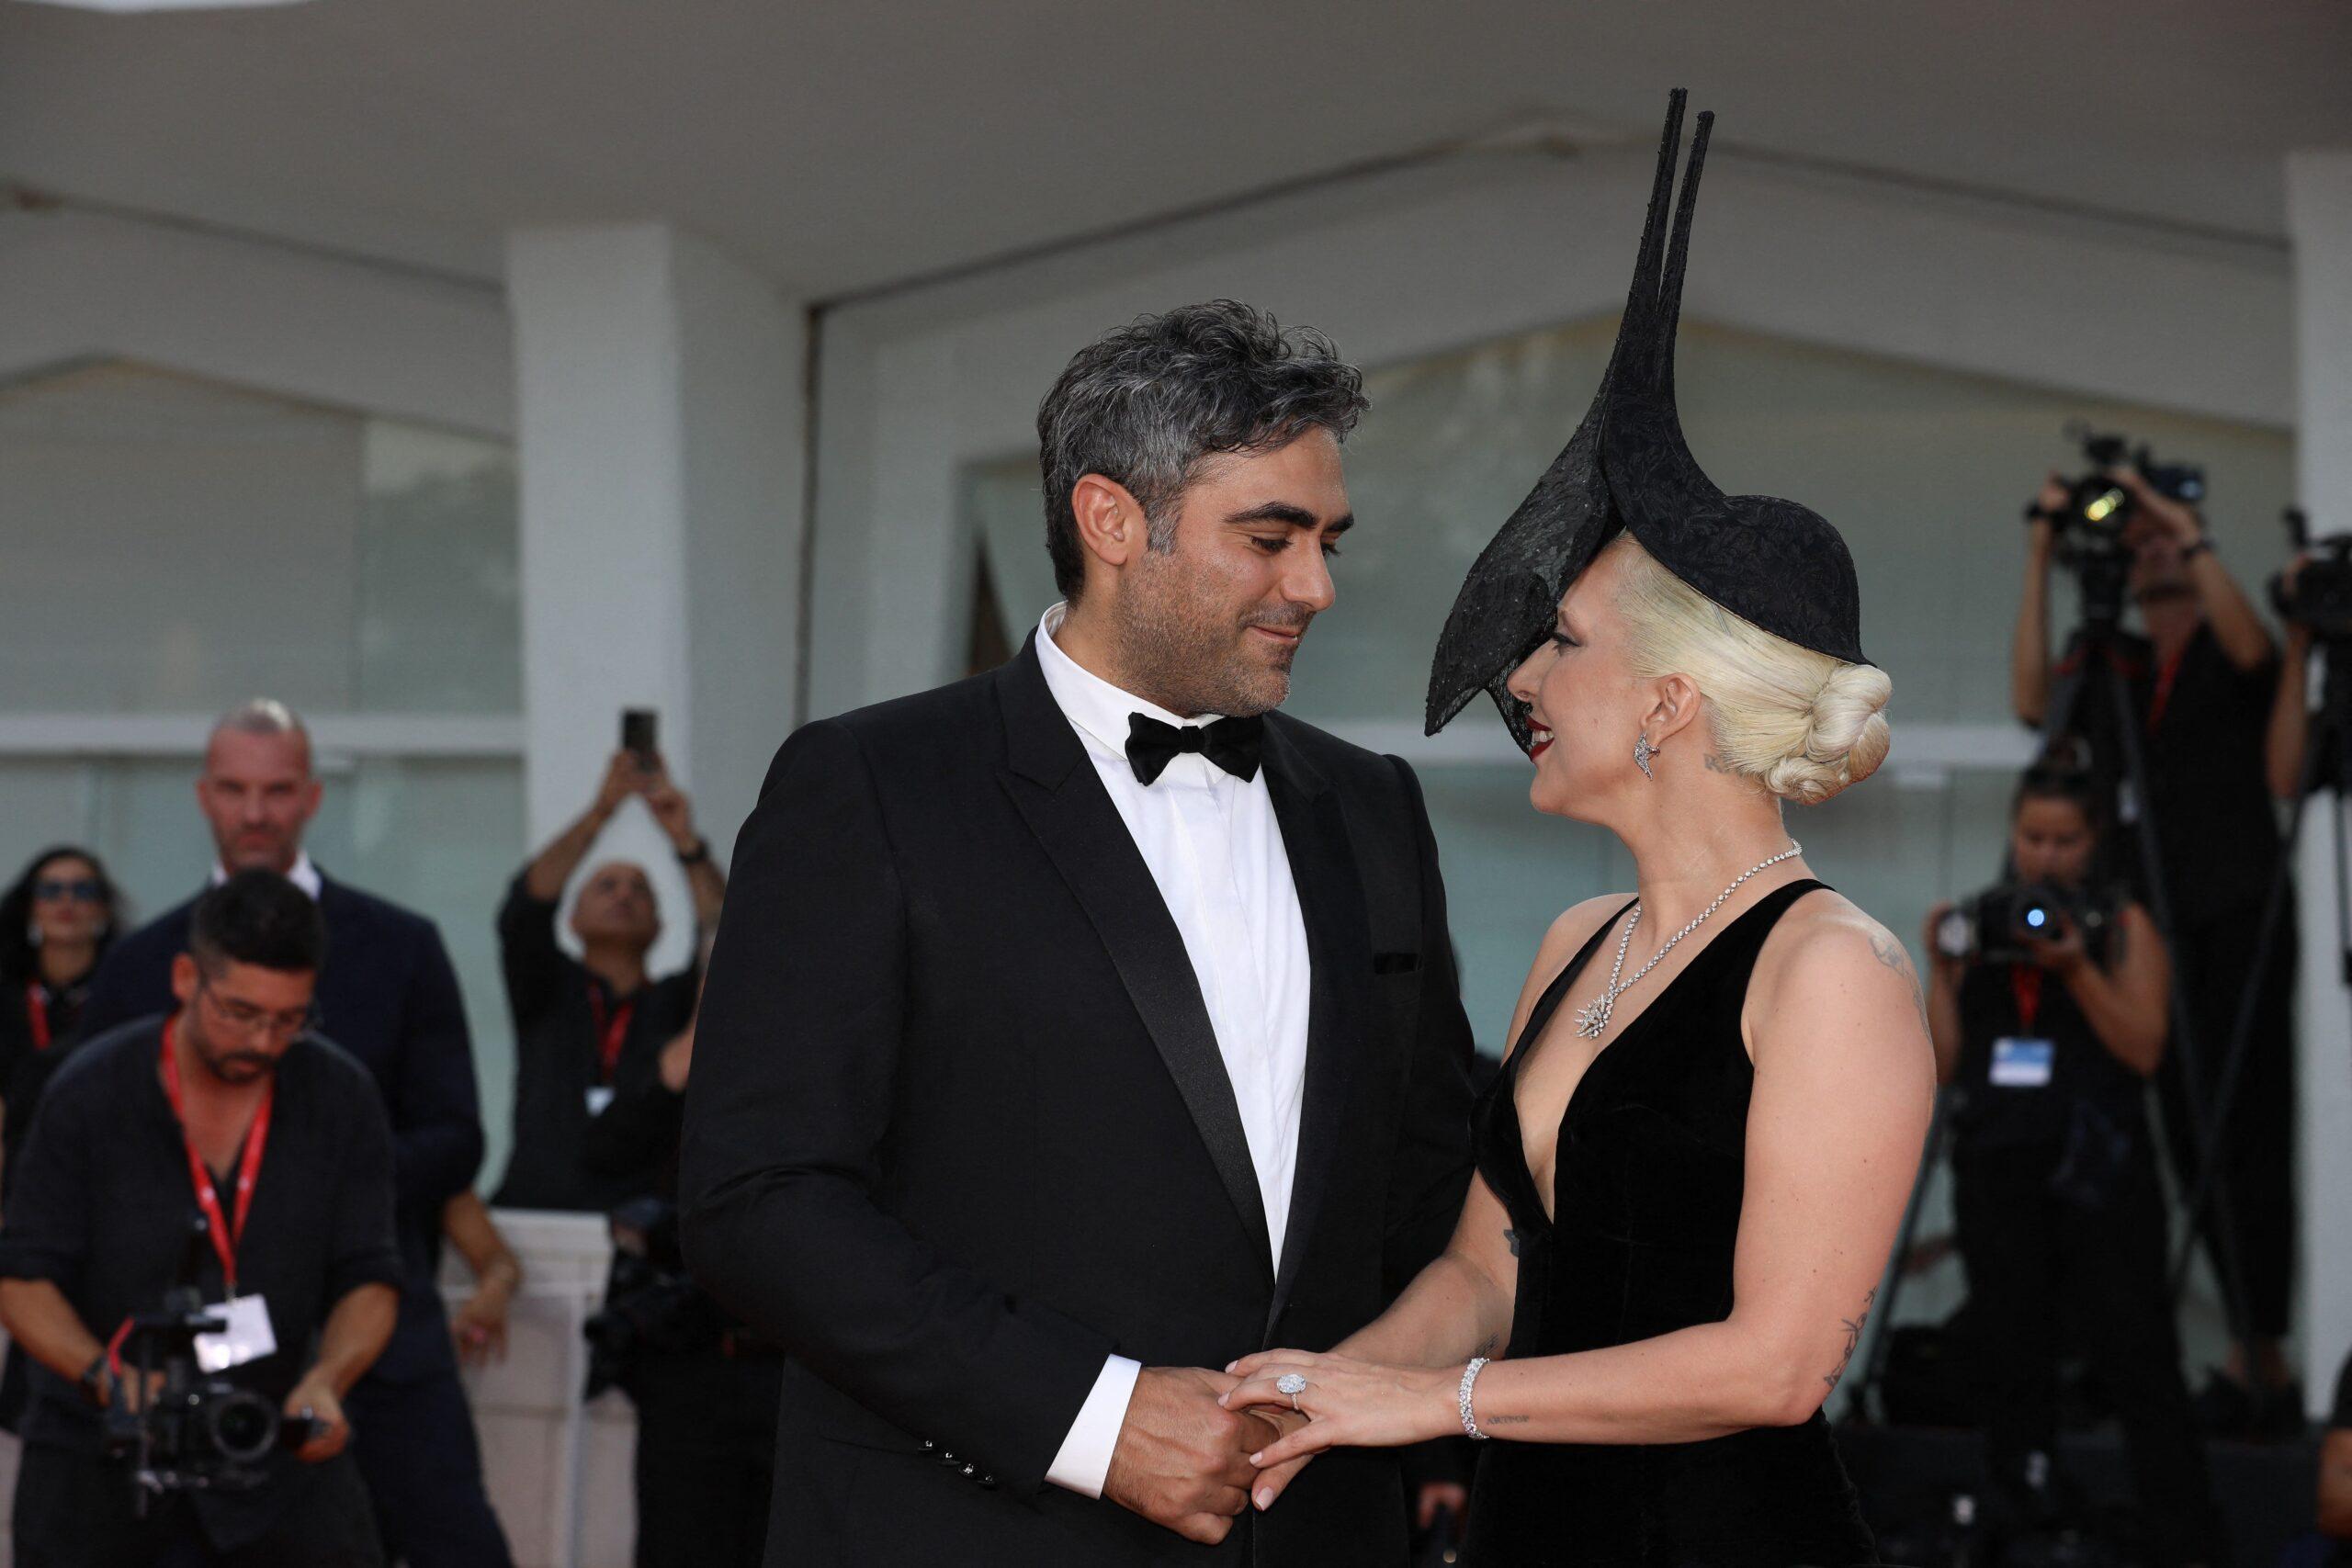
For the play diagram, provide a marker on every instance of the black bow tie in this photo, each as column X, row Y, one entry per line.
column 1231, row 743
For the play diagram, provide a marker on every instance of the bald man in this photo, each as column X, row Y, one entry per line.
column 598, row 1028
column 389, row 997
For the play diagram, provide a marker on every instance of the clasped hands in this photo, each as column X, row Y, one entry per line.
column 1198, row 1447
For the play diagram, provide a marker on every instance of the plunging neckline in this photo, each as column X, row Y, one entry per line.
column 1531, row 1035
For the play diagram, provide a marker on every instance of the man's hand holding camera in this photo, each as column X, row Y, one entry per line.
column 315, row 1401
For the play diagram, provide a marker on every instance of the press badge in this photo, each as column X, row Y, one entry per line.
column 2020, row 1063
column 248, row 1337
column 600, row 1095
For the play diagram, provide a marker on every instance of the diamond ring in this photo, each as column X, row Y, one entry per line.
column 1292, row 1383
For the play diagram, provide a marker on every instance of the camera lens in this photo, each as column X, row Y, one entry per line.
column 244, row 1427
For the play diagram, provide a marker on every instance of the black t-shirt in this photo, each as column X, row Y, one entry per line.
column 2010, row 1115
column 556, row 1004
column 38, row 1025
column 104, row 1209
column 2204, row 728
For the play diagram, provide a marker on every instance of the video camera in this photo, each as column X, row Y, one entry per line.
column 2001, row 924
column 2320, row 596
column 194, row 1430
column 650, row 1304
column 2089, row 526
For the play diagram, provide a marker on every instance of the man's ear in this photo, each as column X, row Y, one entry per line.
column 1111, row 524
column 1677, row 709
column 184, row 978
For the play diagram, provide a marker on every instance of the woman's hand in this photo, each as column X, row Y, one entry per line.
column 1931, row 943
column 2062, row 952
column 1346, row 1401
column 479, row 1325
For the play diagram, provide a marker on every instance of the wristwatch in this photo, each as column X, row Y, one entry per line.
column 2190, row 551
column 695, row 856
column 93, row 1380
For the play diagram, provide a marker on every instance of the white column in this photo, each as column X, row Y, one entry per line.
column 661, row 449
column 660, row 403
column 2319, row 204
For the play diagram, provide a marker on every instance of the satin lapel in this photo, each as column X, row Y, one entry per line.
column 1339, row 948
column 1061, row 797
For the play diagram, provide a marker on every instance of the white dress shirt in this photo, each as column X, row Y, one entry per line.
column 1214, row 850
column 302, row 874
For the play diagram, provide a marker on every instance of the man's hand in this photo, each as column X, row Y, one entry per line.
column 2040, row 534
column 672, row 809
column 2154, row 512
column 1182, row 1460
column 315, row 1398
column 622, row 779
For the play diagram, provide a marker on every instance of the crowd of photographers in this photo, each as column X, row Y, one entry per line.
column 2117, row 1008
column 233, row 1144
column 209, row 1366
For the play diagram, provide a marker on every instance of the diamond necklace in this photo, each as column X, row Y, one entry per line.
column 1592, row 1019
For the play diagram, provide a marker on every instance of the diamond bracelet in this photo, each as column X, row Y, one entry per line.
column 1462, row 1397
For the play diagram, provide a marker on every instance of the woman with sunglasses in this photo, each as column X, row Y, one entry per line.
column 55, row 922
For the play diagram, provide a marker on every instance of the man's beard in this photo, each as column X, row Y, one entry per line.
column 232, row 1067
column 1192, row 658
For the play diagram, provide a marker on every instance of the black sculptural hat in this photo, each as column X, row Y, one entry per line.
column 1773, row 563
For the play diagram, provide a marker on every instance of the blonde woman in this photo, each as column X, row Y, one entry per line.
column 1693, row 1166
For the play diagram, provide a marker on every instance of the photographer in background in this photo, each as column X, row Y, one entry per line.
column 2202, row 682
column 229, row 1108
column 704, row 1388
column 2048, row 1015
column 597, row 1026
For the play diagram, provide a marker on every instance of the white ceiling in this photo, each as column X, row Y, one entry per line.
column 839, row 146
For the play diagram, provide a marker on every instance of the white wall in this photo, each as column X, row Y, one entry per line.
column 370, row 339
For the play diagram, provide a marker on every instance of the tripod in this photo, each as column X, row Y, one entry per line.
column 2330, row 745
column 2101, row 675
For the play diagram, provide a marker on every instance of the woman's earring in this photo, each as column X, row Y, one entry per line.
column 1643, row 752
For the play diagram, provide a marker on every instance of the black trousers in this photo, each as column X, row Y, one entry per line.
column 414, row 1444
column 706, row 1458
column 2036, row 1263
column 2213, row 961
column 74, row 1510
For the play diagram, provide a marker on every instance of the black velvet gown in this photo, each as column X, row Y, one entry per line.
column 1650, row 1171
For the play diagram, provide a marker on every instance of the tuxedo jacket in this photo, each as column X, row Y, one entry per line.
column 389, row 997
column 958, row 1127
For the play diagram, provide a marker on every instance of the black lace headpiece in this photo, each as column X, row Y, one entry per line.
column 1771, row 562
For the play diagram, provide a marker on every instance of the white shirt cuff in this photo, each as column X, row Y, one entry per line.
column 1084, row 1458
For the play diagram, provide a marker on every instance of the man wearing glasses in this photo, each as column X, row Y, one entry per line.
column 389, row 998
column 231, row 1108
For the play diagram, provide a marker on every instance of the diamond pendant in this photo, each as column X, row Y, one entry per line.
column 1592, row 1019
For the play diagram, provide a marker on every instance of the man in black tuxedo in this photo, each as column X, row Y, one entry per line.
column 389, row 997
column 1088, row 1024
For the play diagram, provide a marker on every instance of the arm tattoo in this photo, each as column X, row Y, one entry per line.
column 1889, row 951
column 1853, row 1337
column 1486, row 1347
column 1511, row 1238
column 1502, row 1420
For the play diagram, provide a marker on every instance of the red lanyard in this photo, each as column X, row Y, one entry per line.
column 37, row 1014
column 610, row 1032
column 2025, row 983
column 2166, row 674
column 224, row 1235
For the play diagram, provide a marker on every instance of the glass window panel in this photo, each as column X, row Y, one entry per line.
column 173, row 545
